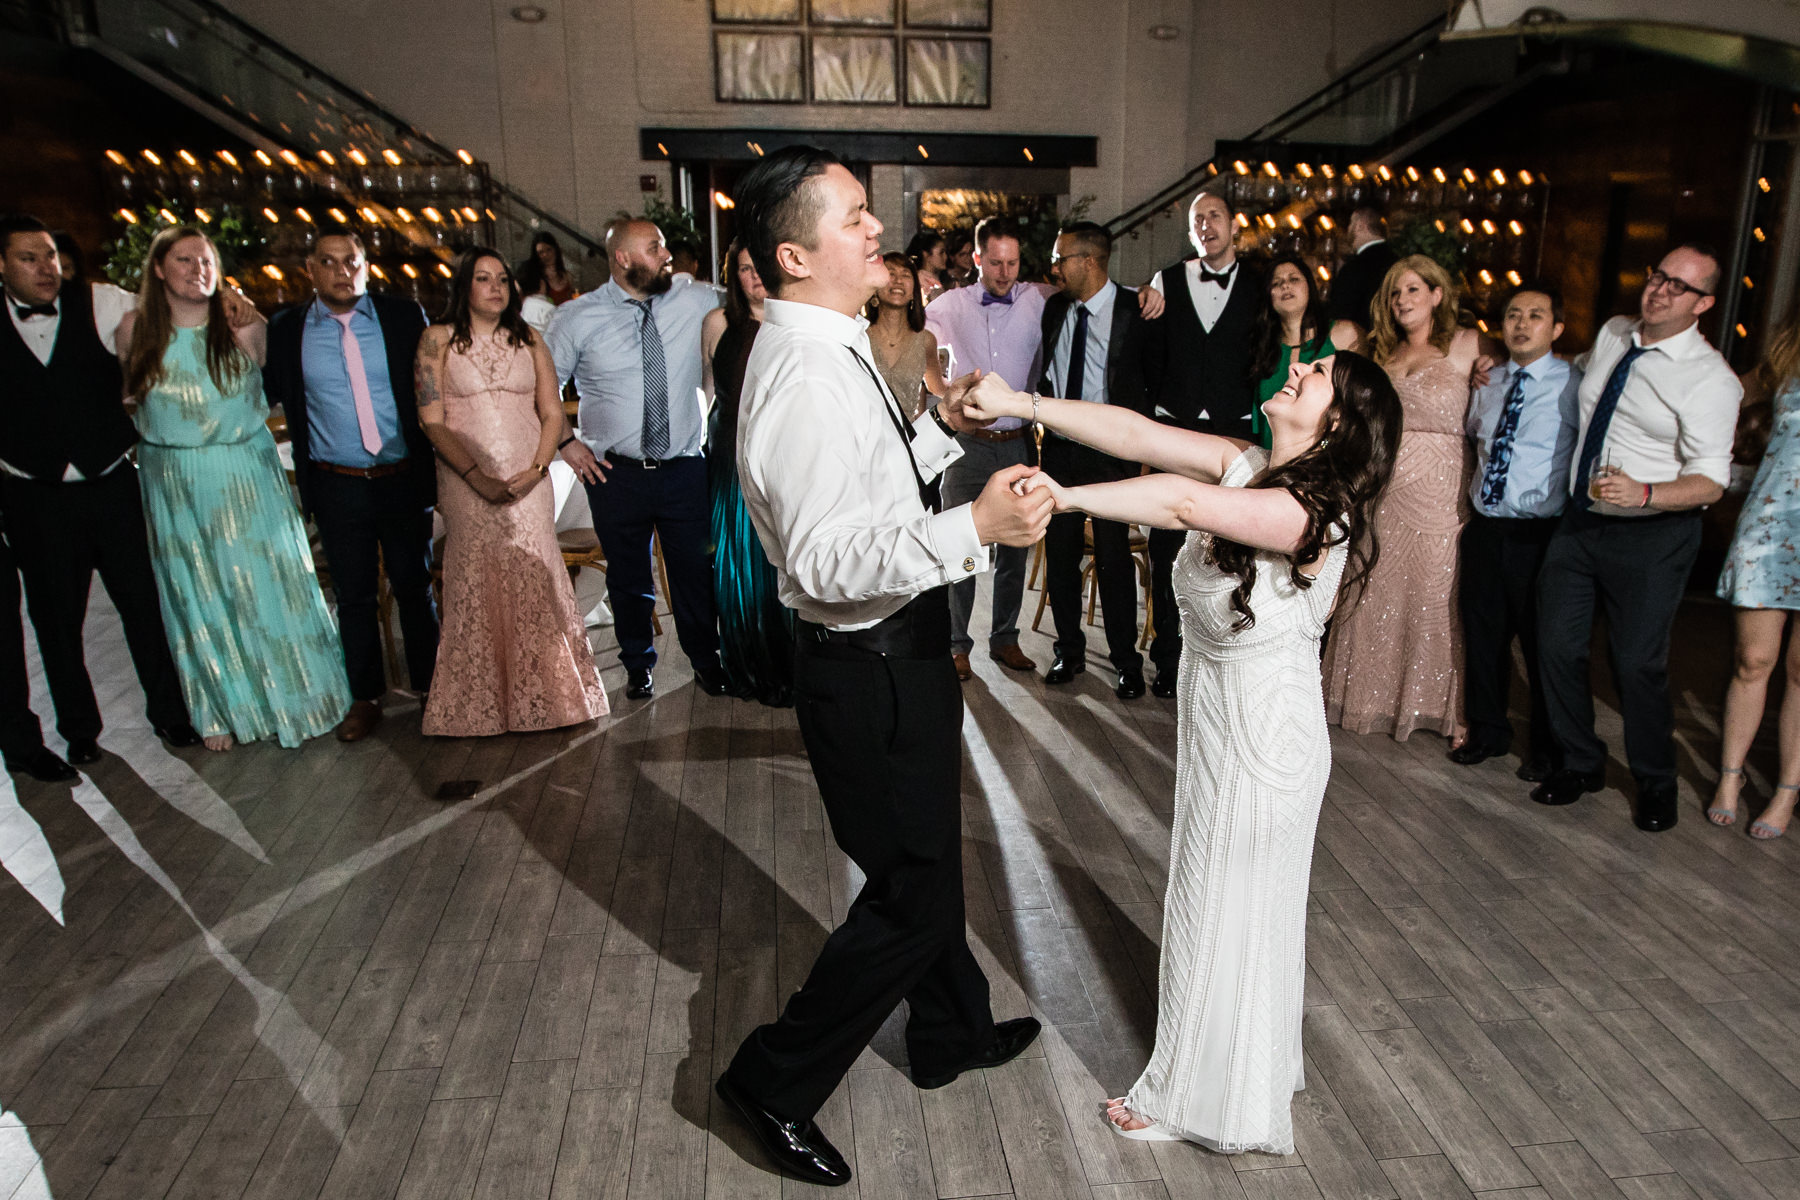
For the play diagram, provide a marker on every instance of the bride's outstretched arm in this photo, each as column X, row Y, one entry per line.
column 1115, row 431
column 1265, row 518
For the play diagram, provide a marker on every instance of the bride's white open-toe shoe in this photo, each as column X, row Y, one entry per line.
column 1152, row 1132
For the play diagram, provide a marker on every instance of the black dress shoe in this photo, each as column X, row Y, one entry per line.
column 1063, row 670
column 180, row 736
column 43, row 764
column 1164, row 685
column 83, row 751
column 711, row 682
column 1534, row 770
column 1566, row 787
column 638, row 684
column 1468, row 754
column 1010, row 1040
column 1656, row 808
column 798, row 1147
column 1131, row 685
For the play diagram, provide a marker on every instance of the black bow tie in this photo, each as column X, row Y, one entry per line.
column 1222, row 278
column 28, row 311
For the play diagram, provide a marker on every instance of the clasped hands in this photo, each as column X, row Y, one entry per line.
column 505, row 491
column 1016, row 505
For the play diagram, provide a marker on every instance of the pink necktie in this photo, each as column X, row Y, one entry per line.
column 359, row 386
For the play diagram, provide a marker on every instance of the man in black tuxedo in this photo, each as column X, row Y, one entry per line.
column 1093, row 349
column 69, row 492
column 1359, row 279
column 1198, row 370
column 341, row 367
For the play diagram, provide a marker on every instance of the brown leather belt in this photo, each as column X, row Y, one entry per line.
column 380, row 471
column 993, row 435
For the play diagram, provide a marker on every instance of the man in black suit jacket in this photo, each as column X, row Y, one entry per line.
column 1359, row 279
column 341, row 367
column 1093, row 349
column 1199, row 372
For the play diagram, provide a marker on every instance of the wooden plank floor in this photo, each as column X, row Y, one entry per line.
column 296, row 974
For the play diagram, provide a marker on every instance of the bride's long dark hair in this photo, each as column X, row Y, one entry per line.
column 1337, row 482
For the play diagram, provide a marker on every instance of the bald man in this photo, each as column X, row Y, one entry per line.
column 632, row 350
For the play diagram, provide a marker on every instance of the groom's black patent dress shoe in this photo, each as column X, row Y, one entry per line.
column 1010, row 1040
column 798, row 1147
column 1657, row 809
column 1131, row 685
column 1063, row 670
column 1164, row 685
column 84, row 752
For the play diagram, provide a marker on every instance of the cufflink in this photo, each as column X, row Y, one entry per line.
column 968, row 564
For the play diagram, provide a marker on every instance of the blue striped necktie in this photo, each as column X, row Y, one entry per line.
column 656, row 387
column 1603, row 415
column 1493, row 482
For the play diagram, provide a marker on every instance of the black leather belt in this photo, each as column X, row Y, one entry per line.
column 645, row 464
column 920, row 630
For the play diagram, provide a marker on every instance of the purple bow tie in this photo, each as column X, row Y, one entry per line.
column 988, row 298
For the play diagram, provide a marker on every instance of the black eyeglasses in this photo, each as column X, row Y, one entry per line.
column 1678, row 287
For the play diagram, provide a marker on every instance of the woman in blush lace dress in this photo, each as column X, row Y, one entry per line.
column 1275, row 536
column 1394, row 662
column 514, row 655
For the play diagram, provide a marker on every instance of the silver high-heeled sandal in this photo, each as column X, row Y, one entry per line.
column 1726, row 817
column 1764, row 831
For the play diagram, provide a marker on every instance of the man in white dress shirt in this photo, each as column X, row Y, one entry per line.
column 69, row 489
column 842, row 491
column 1659, row 407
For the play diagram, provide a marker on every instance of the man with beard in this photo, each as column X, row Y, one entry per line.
column 632, row 349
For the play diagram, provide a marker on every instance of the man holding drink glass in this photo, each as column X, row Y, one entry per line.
column 1658, row 407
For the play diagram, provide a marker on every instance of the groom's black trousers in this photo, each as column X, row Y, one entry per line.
column 883, row 732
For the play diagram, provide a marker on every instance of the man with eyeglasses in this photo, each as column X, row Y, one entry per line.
column 1658, row 408
column 341, row 367
column 997, row 329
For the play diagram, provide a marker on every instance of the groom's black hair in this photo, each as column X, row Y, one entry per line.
column 777, row 202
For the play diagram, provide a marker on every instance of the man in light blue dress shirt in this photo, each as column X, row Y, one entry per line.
column 632, row 349
column 1523, row 424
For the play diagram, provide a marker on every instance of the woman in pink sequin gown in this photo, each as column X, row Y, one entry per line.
column 514, row 655
column 1393, row 663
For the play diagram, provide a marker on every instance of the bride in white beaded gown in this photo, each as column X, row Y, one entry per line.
column 1274, row 535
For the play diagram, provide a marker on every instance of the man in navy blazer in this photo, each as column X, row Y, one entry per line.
column 341, row 367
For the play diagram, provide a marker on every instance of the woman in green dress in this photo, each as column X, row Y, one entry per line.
column 1291, row 326
column 254, row 644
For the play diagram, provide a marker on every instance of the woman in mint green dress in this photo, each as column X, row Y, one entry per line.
column 255, row 646
column 1291, row 326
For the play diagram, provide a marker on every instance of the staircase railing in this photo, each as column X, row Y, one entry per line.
column 201, row 51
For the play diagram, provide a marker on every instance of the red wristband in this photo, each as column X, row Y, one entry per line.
column 1646, row 503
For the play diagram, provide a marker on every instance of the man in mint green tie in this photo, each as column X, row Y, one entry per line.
column 1658, row 407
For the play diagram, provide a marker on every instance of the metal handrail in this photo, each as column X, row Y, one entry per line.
column 1366, row 73
column 346, row 97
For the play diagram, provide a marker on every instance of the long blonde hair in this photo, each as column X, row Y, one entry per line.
column 1387, row 336
column 1783, row 363
column 226, row 361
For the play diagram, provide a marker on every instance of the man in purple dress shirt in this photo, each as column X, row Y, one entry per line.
column 994, row 328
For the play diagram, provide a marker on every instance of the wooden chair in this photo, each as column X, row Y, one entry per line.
column 1090, row 579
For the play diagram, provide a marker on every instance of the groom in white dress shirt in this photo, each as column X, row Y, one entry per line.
column 842, row 489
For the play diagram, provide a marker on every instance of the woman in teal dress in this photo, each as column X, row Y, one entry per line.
column 1291, row 326
column 756, row 631
column 255, row 646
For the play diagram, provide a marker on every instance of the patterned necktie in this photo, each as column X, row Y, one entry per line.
column 1077, row 373
column 1596, row 430
column 1493, row 483
column 656, row 387
column 360, row 397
